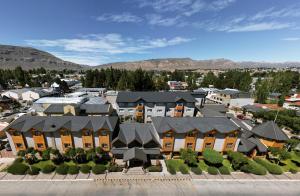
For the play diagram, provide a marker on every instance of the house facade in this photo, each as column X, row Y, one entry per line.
column 142, row 106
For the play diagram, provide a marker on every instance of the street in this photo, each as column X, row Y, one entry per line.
column 195, row 187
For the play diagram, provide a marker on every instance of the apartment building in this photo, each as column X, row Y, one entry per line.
column 61, row 132
column 142, row 106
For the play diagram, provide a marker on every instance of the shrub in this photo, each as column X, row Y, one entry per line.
column 237, row 159
column 171, row 169
column 196, row 170
column 293, row 171
column 254, row 168
column 212, row 157
column 212, row 170
column 114, row 168
column 189, row 156
column 21, row 153
column 47, row 169
column 18, row 160
column 17, row 169
column 85, row 169
column 62, row 169
column 271, row 167
column 73, row 169
column 30, row 158
column 46, row 154
column 99, row 169
column 155, row 168
column 33, row 170
column 224, row 170
column 183, row 169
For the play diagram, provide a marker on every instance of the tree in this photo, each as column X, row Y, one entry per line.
column 212, row 157
column 209, row 79
column 262, row 91
column 189, row 156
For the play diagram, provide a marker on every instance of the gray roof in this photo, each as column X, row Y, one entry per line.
column 206, row 112
column 135, row 153
column 254, row 108
column 95, row 108
column 96, row 100
column 54, row 123
column 245, row 145
column 55, row 109
column 186, row 124
column 216, row 107
column 140, row 132
column 270, row 130
column 150, row 151
column 242, row 123
column 155, row 97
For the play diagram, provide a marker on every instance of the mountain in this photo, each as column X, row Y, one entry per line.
column 29, row 58
column 171, row 64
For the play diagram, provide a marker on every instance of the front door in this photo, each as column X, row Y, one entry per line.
column 135, row 163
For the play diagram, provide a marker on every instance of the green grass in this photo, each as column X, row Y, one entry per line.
column 176, row 163
column 42, row 164
column 203, row 165
column 227, row 164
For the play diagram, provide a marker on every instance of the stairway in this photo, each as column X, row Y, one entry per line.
column 135, row 171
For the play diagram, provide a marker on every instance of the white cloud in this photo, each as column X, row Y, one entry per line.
column 272, row 13
column 264, row 26
column 156, row 19
column 93, row 48
column 291, row 39
column 124, row 17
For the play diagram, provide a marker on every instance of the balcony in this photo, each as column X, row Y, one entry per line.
column 139, row 107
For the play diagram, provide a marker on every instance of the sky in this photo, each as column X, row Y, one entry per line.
column 95, row 32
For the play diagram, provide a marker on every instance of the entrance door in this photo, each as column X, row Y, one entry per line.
column 135, row 163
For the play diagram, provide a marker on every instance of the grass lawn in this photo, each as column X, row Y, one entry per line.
column 176, row 163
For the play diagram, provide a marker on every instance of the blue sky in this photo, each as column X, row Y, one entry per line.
column 102, row 31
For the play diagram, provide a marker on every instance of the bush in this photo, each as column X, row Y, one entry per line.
column 33, row 170
column 212, row 157
column 254, row 168
column 17, row 169
column 62, row 169
column 212, row 170
column 189, row 156
column 196, row 170
column 271, row 167
column 85, row 169
column 224, row 170
column 73, row 169
column 171, row 169
column 21, row 153
column 46, row 154
column 18, row 160
column 237, row 159
column 293, row 171
column 114, row 168
column 155, row 168
column 183, row 169
column 99, row 169
column 47, row 169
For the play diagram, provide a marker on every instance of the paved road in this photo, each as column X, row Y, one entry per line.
column 165, row 188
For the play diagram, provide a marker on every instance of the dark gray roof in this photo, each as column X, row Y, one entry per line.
column 254, row 108
column 95, row 108
column 140, row 132
column 260, row 146
column 186, row 124
column 54, row 123
column 135, row 153
column 155, row 97
column 216, row 107
column 270, row 130
column 241, row 123
column 150, row 151
column 245, row 145
column 206, row 112
column 55, row 109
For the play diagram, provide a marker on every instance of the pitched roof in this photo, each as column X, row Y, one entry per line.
column 95, row 108
column 54, row 123
column 155, row 97
column 186, row 124
column 55, row 109
column 135, row 153
column 270, row 130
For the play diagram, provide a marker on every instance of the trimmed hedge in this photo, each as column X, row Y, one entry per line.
column 183, row 169
column 155, row 168
column 62, row 169
column 237, row 159
column 18, row 160
column 17, row 169
column 115, row 168
column 73, row 169
column 212, row 157
column 224, row 170
column 47, row 169
column 293, row 171
column 33, row 170
column 85, row 169
column 171, row 169
column 196, row 170
column 99, row 169
column 212, row 170
column 271, row 167
column 254, row 168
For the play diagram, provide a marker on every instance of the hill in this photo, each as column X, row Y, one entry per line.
column 29, row 58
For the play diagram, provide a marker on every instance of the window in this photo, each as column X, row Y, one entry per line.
column 188, row 110
column 168, row 135
column 208, row 145
column 140, row 111
column 189, row 145
column 210, row 135
column 190, row 134
column 121, row 110
column 168, row 145
column 40, row 145
column 66, row 133
column 149, row 110
column 231, row 135
column 229, row 145
column 179, row 111
column 19, row 145
column 159, row 110
column 104, row 145
column 37, row 133
column 87, row 145
column 16, row 133
column 130, row 110
column 67, row 145
column 87, row 133
column 149, row 116
column 179, row 104
column 103, row 133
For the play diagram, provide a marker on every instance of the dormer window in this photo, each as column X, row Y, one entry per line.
column 87, row 133
column 231, row 135
column 37, row 133
column 210, row 135
column 16, row 133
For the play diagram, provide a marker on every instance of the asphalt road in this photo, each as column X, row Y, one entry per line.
column 90, row 188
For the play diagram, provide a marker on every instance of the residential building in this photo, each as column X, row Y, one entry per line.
column 292, row 102
column 93, row 92
column 35, row 94
column 141, row 106
column 177, row 85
